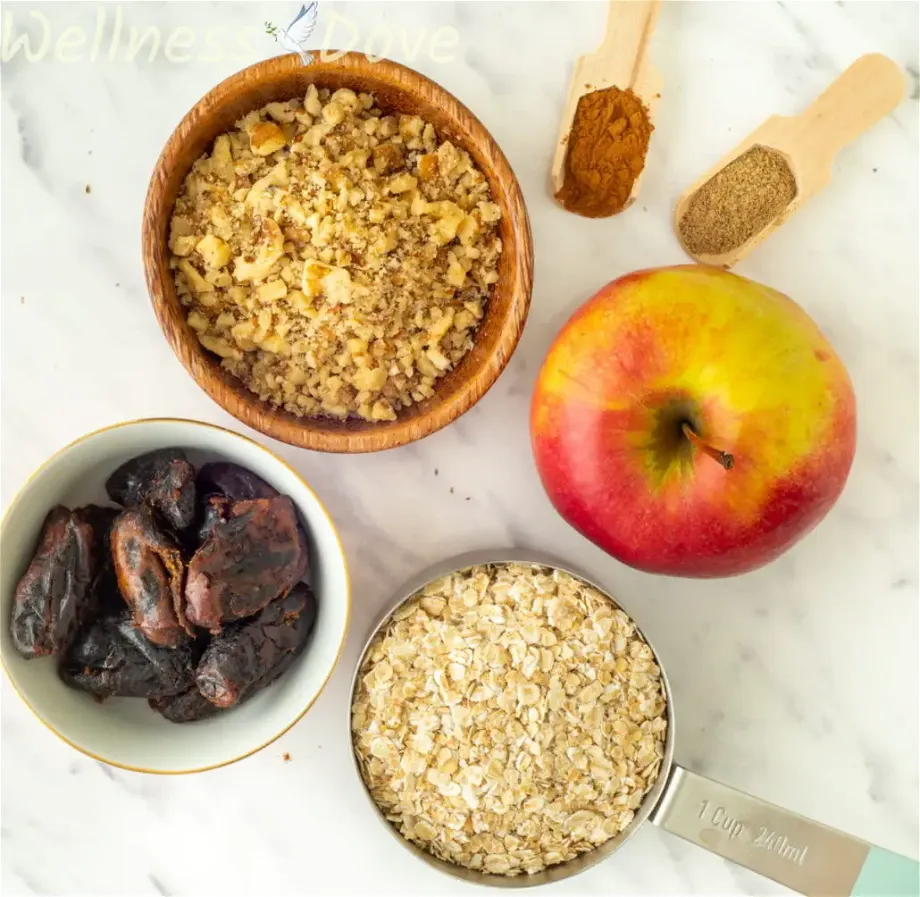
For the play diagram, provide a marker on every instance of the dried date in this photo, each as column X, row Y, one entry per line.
column 163, row 480
column 109, row 593
column 105, row 598
column 246, row 562
column 187, row 707
column 250, row 655
column 149, row 569
column 111, row 658
column 53, row 596
column 234, row 482
column 216, row 510
column 101, row 519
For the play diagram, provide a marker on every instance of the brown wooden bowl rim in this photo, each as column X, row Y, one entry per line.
column 262, row 417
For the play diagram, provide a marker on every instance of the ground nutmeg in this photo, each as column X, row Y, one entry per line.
column 606, row 152
column 737, row 202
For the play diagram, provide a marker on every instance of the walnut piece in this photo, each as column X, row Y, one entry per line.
column 337, row 259
column 508, row 718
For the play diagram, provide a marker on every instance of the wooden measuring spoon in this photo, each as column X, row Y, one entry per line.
column 621, row 60
column 864, row 94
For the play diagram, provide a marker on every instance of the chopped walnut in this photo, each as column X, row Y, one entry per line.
column 338, row 260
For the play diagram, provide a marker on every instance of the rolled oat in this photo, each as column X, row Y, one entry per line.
column 509, row 718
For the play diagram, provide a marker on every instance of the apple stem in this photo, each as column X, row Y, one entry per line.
column 724, row 458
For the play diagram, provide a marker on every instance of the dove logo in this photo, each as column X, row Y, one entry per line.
column 344, row 35
column 294, row 38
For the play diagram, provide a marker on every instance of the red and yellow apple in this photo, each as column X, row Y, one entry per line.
column 692, row 422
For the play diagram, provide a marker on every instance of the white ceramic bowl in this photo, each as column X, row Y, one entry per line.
column 125, row 731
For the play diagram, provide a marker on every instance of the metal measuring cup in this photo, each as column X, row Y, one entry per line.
column 803, row 855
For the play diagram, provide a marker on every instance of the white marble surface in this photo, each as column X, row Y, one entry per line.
column 798, row 683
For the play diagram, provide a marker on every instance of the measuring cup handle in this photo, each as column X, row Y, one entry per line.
column 806, row 856
column 865, row 93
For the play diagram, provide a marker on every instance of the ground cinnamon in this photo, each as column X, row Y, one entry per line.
column 606, row 152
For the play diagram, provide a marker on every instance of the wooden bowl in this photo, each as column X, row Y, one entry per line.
column 397, row 89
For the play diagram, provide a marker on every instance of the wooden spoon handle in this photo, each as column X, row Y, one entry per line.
column 864, row 94
column 630, row 24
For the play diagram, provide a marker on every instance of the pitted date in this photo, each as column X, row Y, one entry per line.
column 149, row 569
column 111, row 658
column 189, row 595
column 250, row 655
column 53, row 596
column 163, row 480
column 100, row 518
column 232, row 481
column 105, row 598
column 187, row 707
column 246, row 562
column 216, row 510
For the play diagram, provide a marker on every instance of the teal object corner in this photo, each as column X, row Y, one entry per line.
column 886, row 874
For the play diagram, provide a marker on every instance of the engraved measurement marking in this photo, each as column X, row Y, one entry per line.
column 721, row 819
column 766, row 838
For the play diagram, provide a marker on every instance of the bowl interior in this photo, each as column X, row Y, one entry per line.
column 398, row 90
column 125, row 731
